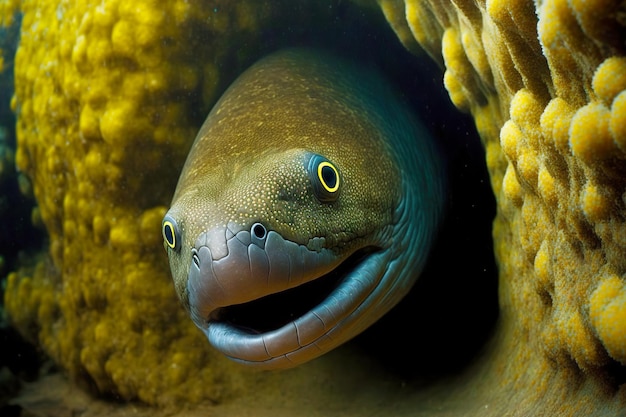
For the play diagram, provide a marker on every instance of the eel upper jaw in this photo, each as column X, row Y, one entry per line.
column 333, row 292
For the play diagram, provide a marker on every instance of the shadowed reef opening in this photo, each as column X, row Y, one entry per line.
column 449, row 315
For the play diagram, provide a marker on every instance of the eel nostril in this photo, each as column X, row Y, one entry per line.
column 195, row 258
column 259, row 231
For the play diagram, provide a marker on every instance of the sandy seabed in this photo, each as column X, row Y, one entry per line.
column 342, row 383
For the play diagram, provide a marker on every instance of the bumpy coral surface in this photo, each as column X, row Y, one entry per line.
column 547, row 89
column 109, row 96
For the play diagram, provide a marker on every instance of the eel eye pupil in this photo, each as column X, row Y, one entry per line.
column 325, row 179
column 328, row 177
column 170, row 234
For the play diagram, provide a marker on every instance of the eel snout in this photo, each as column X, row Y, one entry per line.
column 261, row 298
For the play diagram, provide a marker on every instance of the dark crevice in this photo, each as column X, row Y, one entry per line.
column 614, row 374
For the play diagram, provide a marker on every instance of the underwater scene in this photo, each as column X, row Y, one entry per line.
column 312, row 208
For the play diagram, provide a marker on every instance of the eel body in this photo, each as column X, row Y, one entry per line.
column 305, row 209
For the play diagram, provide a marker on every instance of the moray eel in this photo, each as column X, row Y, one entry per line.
column 305, row 209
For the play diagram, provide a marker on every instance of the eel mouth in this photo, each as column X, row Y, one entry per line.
column 273, row 311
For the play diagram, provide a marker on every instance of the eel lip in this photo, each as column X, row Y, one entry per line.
column 274, row 326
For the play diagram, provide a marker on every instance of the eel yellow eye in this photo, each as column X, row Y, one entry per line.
column 325, row 178
column 171, row 234
column 328, row 176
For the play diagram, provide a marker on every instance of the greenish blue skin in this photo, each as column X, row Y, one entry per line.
column 308, row 173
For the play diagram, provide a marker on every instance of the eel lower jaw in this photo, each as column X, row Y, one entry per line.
column 285, row 329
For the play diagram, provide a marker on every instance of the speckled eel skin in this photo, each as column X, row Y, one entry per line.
column 305, row 210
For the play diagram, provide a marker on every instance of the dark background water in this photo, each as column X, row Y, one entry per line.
column 19, row 360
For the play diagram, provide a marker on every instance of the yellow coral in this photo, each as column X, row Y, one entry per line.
column 608, row 315
column 590, row 140
column 617, row 122
column 8, row 11
column 610, row 79
column 105, row 94
column 555, row 85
